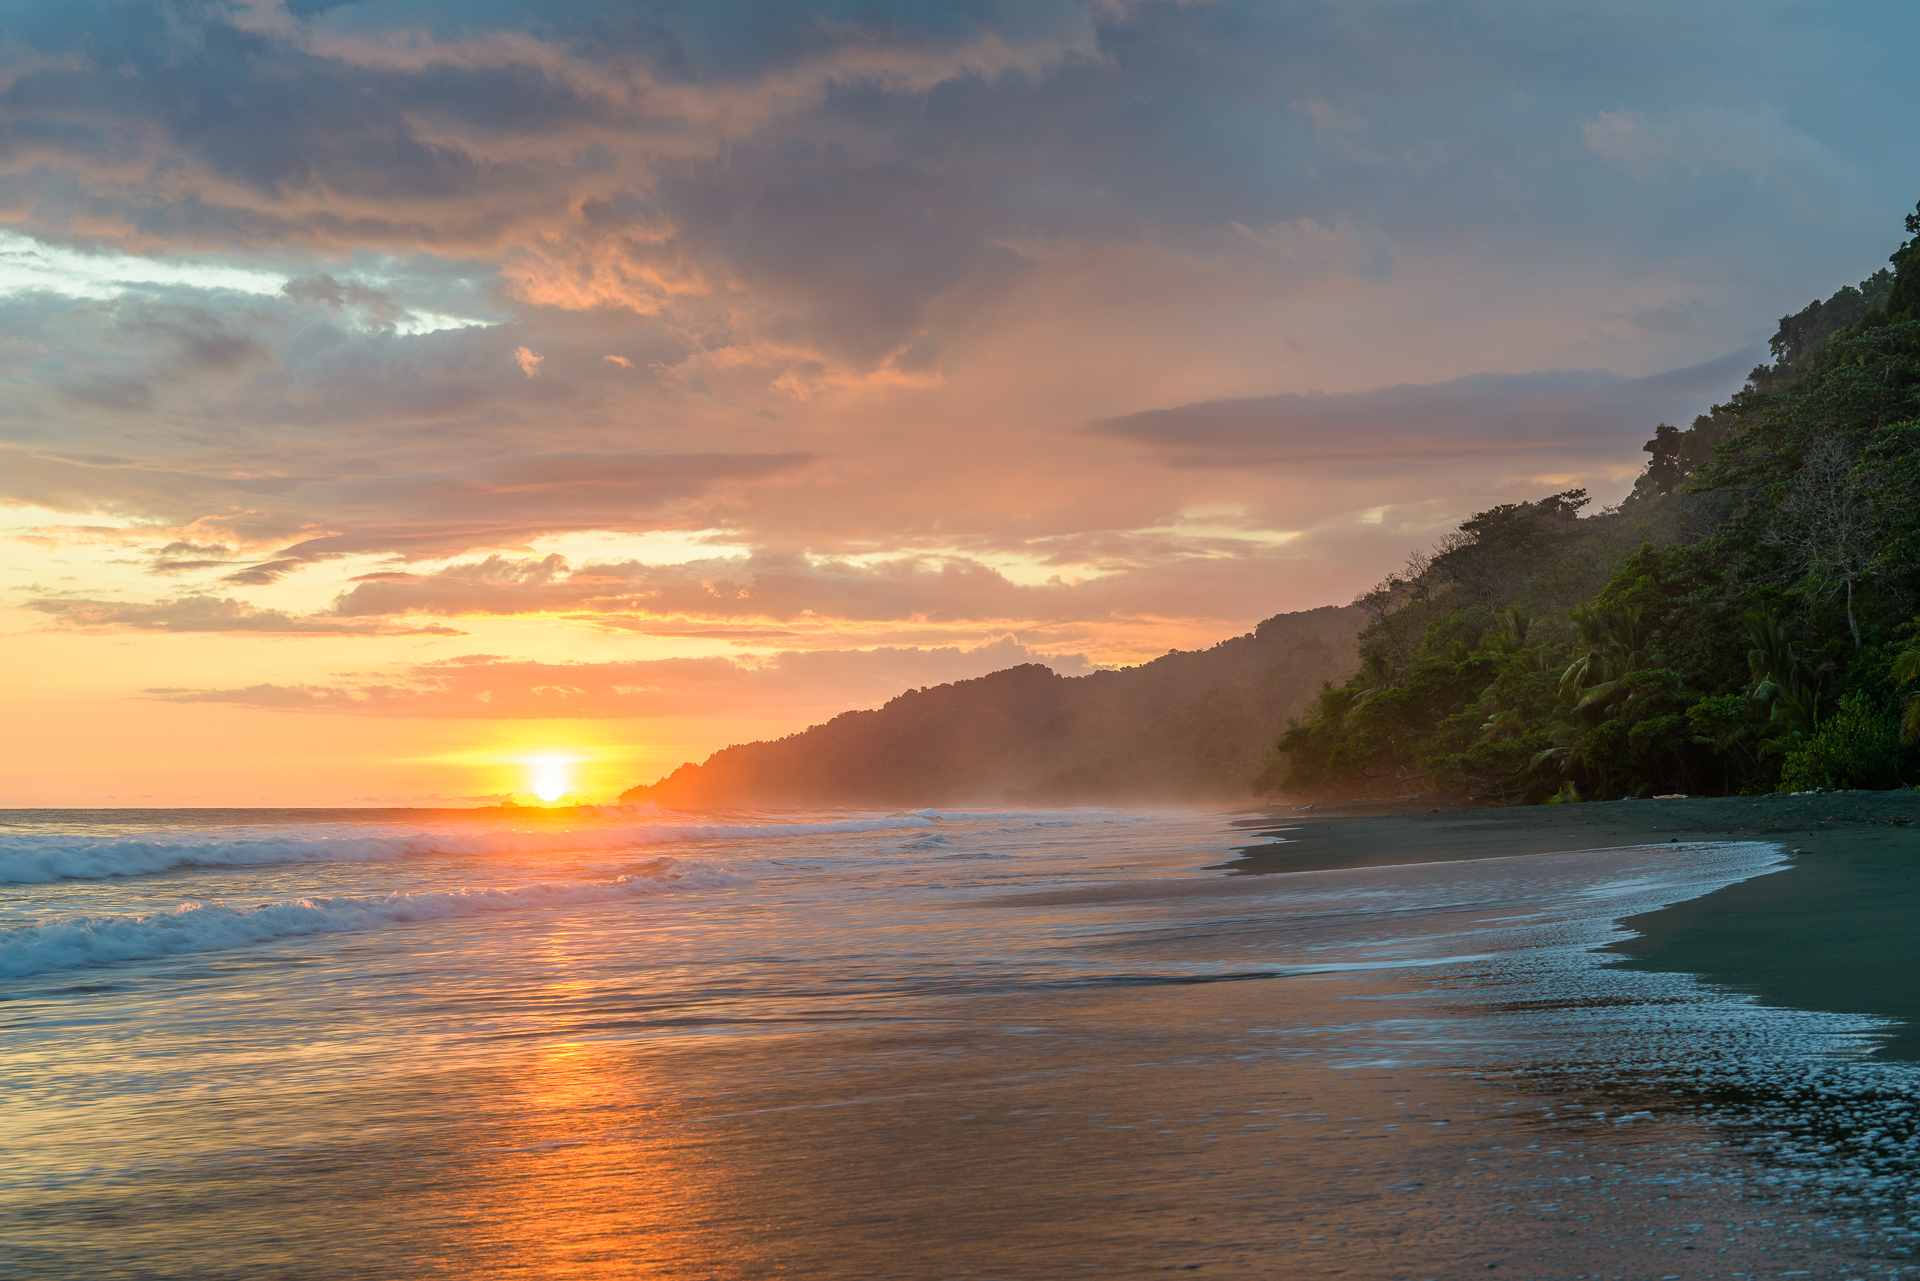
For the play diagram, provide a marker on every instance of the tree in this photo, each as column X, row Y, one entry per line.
column 1903, row 299
column 1495, row 552
column 1831, row 522
column 1665, row 471
column 1781, row 683
column 1533, row 654
column 1858, row 746
column 1905, row 668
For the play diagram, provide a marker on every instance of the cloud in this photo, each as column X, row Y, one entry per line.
column 182, row 557
column 506, row 501
column 178, row 343
column 212, row 614
column 528, row 361
column 1191, row 575
column 768, row 585
column 1310, row 249
column 260, row 575
column 1564, row 414
column 594, row 163
column 1704, row 138
column 819, row 682
column 489, row 503
column 324, row 291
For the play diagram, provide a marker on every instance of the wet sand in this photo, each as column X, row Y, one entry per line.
column 1223, row 1130
column 1835, row 931
column 1189, row 1073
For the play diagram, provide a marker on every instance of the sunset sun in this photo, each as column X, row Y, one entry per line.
column 550, row 775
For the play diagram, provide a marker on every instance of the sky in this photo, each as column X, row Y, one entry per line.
column 404, row 403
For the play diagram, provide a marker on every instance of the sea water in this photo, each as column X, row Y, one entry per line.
column 629, row 1042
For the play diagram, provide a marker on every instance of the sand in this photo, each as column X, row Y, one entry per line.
column 1838, row 930
column 856, row 1112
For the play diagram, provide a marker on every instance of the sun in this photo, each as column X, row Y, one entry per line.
column 549, row 775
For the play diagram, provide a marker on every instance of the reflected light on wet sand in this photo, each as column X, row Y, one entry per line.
column 952, row 1052
column 575, row 1174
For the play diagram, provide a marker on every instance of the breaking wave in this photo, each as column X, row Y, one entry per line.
column 74, row 942
column 42, row 860
column 1061, row 818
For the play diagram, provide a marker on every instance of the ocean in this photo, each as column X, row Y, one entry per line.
column 967, row 1043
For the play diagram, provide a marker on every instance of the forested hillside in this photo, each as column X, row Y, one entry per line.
column 1743, row 622
column 1188, row 726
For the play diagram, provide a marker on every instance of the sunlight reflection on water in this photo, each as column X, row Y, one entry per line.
column 1081, row 1055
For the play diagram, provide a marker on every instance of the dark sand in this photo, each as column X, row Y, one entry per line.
column 1838, row 930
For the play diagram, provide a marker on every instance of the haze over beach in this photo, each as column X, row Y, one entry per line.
column 959, row 639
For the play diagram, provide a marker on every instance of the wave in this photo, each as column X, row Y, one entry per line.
column 41, row 861
column 1062, row 817
column 75, row 942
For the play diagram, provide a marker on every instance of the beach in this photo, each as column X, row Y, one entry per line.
column 936, row 1044
column 1833, row 931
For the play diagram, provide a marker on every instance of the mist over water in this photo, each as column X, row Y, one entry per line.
column 638, row 1043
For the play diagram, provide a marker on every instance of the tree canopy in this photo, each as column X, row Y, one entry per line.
column 1743, row 621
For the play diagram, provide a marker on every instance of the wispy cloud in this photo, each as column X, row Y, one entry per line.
column 1705, row 138
column 215, row 614
column 500, row 502
column 1566, row 413
column 491, row 687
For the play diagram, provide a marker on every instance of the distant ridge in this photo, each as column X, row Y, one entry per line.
column 1194, row 725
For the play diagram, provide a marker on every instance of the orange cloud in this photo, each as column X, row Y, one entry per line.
column 486, row 686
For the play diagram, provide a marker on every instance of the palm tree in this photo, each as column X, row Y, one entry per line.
column 1906, row 666
column 1618, row 643
column 1782, row 681
column 1509, row 632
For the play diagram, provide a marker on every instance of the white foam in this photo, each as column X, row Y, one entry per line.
column 1085, row 815
column 74, row 942
column 644, row 809
column 40, row 860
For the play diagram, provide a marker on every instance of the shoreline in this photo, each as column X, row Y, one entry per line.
column 1833, row 930
column 766, row 1077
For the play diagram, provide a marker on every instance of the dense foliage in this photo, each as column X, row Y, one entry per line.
column 1743, row 621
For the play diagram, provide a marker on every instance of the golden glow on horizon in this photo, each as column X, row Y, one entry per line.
column 539, row 762
column 550, row 775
